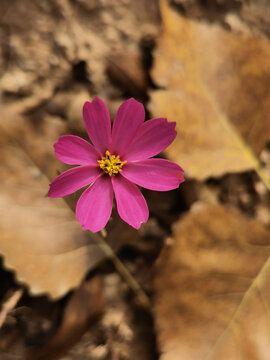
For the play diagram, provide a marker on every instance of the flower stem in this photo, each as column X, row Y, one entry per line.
column 123, row 271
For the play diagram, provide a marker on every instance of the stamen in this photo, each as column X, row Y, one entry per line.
column 111, row 164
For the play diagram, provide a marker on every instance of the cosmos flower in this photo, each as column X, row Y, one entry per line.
column 115, row 162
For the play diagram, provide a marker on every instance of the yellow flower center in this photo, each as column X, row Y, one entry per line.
column 111, row 164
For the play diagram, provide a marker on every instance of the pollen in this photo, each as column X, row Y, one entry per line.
column 111, row 164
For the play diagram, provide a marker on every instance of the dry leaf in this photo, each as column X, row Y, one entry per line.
column 126, row 70
column 215, row 82
column 35, row 62
column 257, row 14
column 36, row 138
column 39, row 237
column 82, row 310
column 212, row 288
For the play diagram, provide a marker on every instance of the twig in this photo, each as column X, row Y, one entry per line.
column 9, row 305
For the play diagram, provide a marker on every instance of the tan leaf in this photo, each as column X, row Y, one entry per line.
column 212, row 288
column 81, row 312
column 214, row 82
column 39, row 237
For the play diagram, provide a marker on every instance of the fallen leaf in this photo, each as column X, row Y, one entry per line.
column 212, row 288
column 81, row 312
column 257, row 14
column 214, row 84
column 36, row 139
column 40, row 62
column 40, row 237
column 126, row 70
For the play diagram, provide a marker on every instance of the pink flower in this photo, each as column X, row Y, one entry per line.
column 116, row 161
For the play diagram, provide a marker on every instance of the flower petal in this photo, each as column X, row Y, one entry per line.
column 95, row 205
column 152, row 137
column 131, row 204
column 72, row 180
column 73, row 150
column 97, row 123
column 154, row 174
column 129, row 117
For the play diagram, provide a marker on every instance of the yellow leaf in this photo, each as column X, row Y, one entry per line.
column 213, row 83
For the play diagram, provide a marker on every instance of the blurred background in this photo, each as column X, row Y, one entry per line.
column 194, row 281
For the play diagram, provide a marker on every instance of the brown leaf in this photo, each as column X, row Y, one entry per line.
column 215, row 82
column 40, row 237
column 126, row 70
column 43, row 61
column 83, row 308
column 257, row 14
column 36, row 138
column 212, row 288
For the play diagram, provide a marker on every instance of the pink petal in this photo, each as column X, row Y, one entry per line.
column 97, row 123
column 95, row 205
column 72, row 180
column 129, row 117
column 152, row 137
column 131, row 204
column 74, row 150
column 154, row 174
